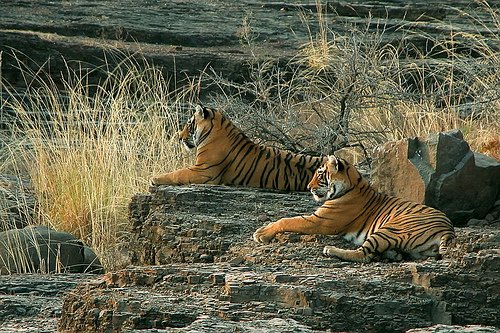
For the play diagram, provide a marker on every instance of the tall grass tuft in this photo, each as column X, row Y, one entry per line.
column 88, row 148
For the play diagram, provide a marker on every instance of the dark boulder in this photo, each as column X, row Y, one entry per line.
column 42, row 249
column 440, row 171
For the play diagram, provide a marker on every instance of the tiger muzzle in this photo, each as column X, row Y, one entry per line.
column 319, row 194
column 186, row 139
column 189, row 144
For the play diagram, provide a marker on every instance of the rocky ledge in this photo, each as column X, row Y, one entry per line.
column 209, row 276
column 32, row 302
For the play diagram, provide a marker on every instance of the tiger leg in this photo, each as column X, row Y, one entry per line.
column 358, row 255
column 378, row 242
column 433, row 249
column 308, row 225
column 181, row 177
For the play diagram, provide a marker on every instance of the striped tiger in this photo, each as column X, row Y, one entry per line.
column 379, row 224
column 226, row 156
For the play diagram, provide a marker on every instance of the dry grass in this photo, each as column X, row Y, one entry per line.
column 355, row 90
column 93, row 151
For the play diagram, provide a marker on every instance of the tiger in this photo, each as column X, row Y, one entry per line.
column 226, row 156
column 380, row 225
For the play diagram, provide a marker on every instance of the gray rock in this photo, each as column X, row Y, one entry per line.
column 91, row 263
column 17, row 202
column 198, row 224
column 455, row 329
column 32, row 302
column 440, row 171
column 184, row 36
column 308, row 293
column 41, row 249
column 284, row 286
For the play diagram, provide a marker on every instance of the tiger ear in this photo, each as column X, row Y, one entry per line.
column 340, row 165
column 199, row 110
column 202, row 111
column 336, row 162
column 205, row 112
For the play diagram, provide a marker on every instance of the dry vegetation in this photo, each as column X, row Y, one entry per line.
column 87, row 153
column 355, row 90
column 88, row 148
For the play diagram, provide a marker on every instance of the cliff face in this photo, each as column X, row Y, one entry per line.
column 214, row 275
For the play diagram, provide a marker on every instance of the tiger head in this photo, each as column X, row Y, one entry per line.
column 333, row 179
column 192, row 134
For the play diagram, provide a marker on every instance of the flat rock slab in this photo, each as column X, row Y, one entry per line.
column 214, row 277
column 201, row 223
column 32, row 302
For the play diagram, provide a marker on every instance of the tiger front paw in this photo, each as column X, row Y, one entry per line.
column 163, row 179
column 264, row 234
column 153, row 181
column 330, row 251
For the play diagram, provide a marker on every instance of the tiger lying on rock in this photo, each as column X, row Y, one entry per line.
column 225, row 155
column 378, row 223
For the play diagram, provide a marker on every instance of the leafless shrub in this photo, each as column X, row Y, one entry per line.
column 355, row 90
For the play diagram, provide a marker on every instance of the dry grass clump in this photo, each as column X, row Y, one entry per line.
column 88, row 148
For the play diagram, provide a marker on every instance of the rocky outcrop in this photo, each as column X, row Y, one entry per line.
column 218, row 278
column 184, row 38
column 42, row 249
column 200, row 223
column 455, row 329
column 440, row 171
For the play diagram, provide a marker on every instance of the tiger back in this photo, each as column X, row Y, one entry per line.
column 379, row 224
column 226, row 156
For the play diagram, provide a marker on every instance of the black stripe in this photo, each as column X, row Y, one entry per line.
column 253, row 167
